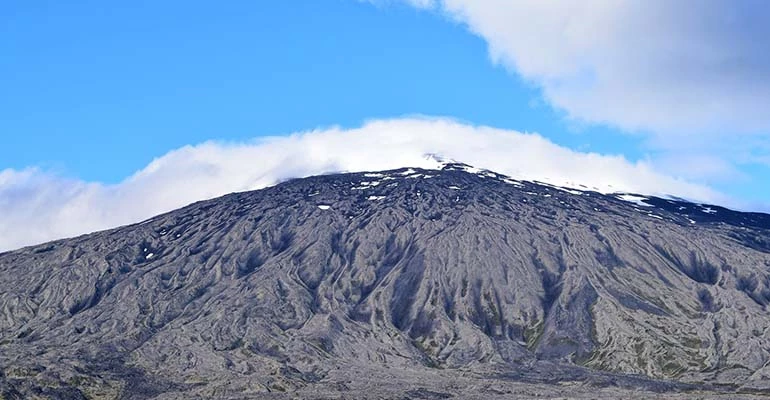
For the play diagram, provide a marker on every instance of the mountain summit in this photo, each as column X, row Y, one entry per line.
column 410, row 283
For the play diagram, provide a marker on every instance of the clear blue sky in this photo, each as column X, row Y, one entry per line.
column 97, row 89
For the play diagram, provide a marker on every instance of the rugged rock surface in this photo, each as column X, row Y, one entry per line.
column 420, row 284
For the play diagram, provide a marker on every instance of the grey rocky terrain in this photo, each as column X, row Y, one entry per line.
column 419, row 284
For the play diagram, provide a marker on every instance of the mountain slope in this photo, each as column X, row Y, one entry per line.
column 424, row 277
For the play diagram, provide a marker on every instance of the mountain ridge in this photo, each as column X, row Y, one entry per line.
column 437, row 162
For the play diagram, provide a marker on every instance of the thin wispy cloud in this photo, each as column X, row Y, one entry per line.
column 38, row 206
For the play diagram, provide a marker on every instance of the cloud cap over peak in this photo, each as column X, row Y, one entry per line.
column 38, row 206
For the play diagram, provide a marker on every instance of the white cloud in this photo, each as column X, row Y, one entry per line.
column 37, row 206
column 700, row 167
column 674, row 68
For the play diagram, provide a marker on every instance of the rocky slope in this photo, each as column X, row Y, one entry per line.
column 406, row 283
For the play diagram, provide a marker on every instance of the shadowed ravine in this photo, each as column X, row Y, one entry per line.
column 417, row 284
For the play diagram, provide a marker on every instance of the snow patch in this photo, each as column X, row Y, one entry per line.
column 513, row 182
column 366, row 185
column 570, row 191
column 324, row 206
column 631, row 198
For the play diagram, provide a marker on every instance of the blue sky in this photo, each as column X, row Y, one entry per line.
column 98, row 89
column 93, row 92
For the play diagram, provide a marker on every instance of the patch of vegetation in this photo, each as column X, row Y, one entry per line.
column 492, row 307
column 277, row 388
column 692, row 342
column 533, row 333
column 672, row 369
column 429, row 350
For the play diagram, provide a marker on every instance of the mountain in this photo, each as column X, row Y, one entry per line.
column 411, row 283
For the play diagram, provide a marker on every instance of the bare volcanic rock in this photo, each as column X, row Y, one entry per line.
column 422, row 284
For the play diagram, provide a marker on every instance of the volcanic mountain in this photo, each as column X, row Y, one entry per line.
column 410, row 283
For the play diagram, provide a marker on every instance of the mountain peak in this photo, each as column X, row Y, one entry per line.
column 406, row 279
column 439, row 162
